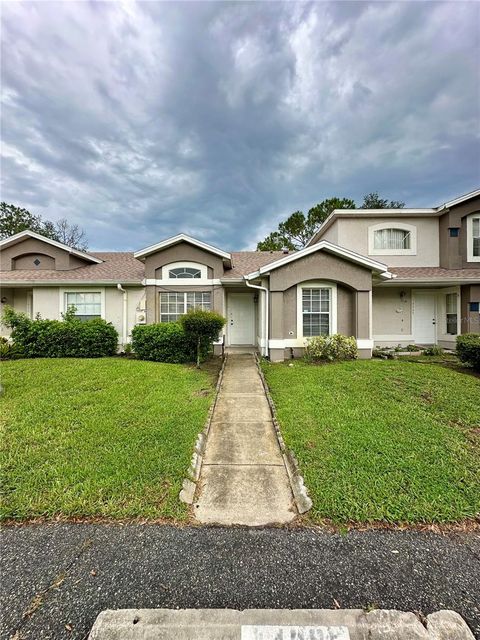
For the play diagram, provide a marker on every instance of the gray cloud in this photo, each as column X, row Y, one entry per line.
column 138, row 121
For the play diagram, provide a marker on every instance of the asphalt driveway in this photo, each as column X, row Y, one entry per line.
column 57, row 578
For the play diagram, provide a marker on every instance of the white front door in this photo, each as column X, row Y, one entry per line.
column 424, row 317
column 241, row 319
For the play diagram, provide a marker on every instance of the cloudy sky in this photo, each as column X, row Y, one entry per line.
column 142, row 120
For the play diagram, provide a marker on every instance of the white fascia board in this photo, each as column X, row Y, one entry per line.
column 181, row 237
column 374, row 213
column 183, row 282
column 431, row 281
column 379, row 267
column 6, row 242
column 460, row 199
column 70, row 283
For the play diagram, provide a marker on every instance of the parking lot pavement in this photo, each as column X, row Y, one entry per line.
column 57, row 578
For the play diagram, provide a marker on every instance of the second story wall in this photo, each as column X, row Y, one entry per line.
column 357, row 234
column 456, row 236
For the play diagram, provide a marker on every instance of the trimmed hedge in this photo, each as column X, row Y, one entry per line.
column 67, row 338
column 165, row 342
column 468, row 349
column 330, row 348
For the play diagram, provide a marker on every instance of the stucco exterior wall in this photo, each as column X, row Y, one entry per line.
column 392, row 315
column 353, row 234
column 321, row 266
column 10, row 257
column 183, row 252
column 453, row 251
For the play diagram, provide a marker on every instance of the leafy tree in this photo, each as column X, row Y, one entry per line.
column 373, row 201
column 203, row 327
column 15, row 219
column 296, row 231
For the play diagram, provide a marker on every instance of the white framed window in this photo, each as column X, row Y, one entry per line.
column 473, row 238
column 316, row 309
column 174, row 304
column 185, row 270
column 88, row 303
column 451, row 313
column 392, row 238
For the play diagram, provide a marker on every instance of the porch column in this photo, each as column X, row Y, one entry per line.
column 363, row 323
column 277, row 353
column 151, row 302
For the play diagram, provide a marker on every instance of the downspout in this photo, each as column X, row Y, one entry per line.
column 265, row 290
column 125, row 314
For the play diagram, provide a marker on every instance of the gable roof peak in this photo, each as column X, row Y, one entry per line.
column 28, row 233
column 181, row 237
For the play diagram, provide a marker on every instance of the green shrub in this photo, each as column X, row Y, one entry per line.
column 165, row 342
column 468, row 349
column 65, row 338
column 329, row 348
column 8, row 351
column 203, row 327
column 434, row 350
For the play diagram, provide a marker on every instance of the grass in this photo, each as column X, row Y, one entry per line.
column 382, row 441
column 110, row 437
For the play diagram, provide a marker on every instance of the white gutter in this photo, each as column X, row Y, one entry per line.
column 265, row 290
column 125, row 314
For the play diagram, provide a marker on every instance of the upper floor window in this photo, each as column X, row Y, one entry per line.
column 184, row 272
column 392, row 239
column 473, row 236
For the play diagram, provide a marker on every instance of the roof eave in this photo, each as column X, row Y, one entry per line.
column 181, row 237
column 12, row 240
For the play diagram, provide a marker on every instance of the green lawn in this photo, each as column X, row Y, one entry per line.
column 386, row 441
column 109, row 437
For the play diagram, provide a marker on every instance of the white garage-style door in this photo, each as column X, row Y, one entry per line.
column 241, row 319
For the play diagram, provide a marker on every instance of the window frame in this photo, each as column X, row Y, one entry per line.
column 203, row 268
column 63, row 297
column 470, row 237
column 317, row 284
column 449, row 313
column 401, row 226
column 186, row 307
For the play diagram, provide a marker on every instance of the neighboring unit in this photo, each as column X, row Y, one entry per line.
column 386, row 277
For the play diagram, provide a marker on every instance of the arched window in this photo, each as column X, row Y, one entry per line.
column 392, row 238
column 184, row 272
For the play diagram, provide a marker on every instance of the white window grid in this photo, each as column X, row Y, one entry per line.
column 174, row 304
column 316, row 311
column 87, row 304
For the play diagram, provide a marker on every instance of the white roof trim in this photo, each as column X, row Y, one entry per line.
column 181, row 237
column 460, row 199
column 37, row 236
column 352, row 256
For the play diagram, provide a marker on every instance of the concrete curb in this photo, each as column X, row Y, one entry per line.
column 300, row 492
column 258, row 624
column 189, row 485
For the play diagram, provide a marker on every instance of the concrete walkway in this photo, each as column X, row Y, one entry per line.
column 243, row 479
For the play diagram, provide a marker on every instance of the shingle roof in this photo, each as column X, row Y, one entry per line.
column 116, row 267
column 245, row 262
column 120, row 266
column 434, row 273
